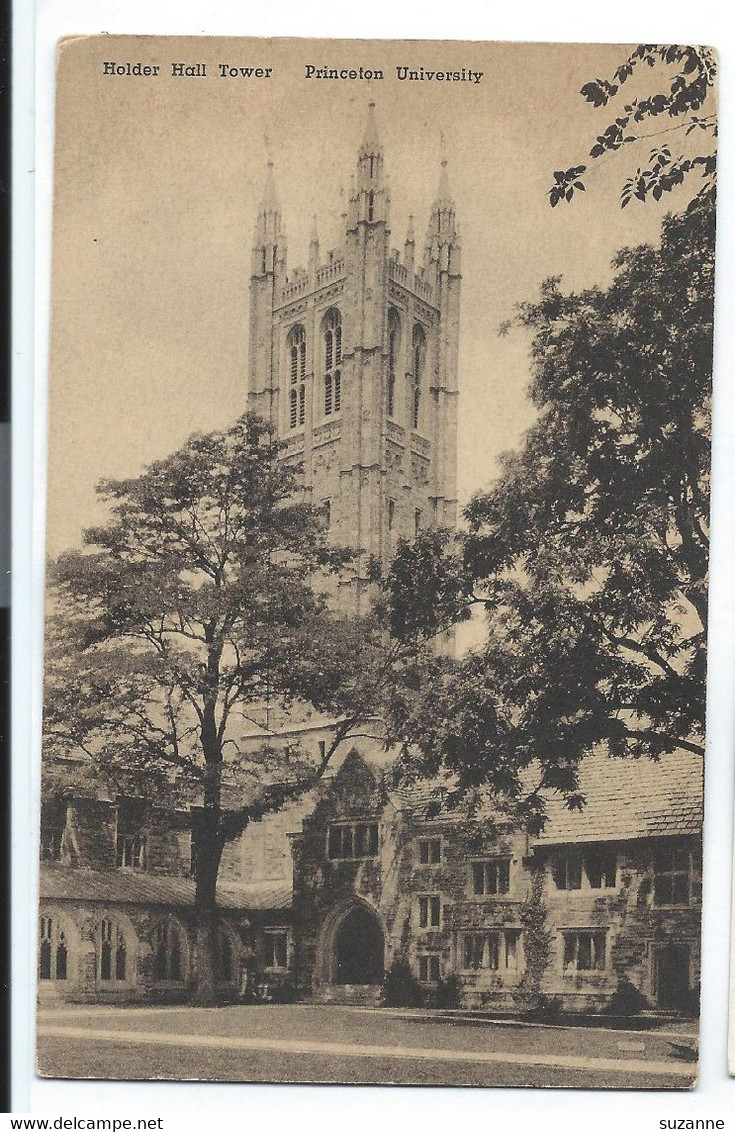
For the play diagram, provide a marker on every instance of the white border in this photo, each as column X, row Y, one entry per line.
column 329, row 1107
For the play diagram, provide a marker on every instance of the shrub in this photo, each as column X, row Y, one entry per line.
column 401, row 987
column 448, row 993
column 261, row 987
column 627, row 1000
column 282, row 990
column 547, row 1009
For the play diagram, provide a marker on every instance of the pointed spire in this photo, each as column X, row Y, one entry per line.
column 268, row 239
column 372, row 202
column 341, row 217
column 443, row 197
column 371, row 141
column 444, row 193
column 441, row 236
column 270, row 198
column 313, row 246
column 409, row 248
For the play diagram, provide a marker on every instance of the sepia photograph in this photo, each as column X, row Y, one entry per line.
column 377, row 550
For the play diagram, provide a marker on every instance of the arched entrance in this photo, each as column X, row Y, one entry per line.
column 358, row 953
column 351, row 948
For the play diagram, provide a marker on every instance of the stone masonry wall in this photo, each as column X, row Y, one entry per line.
column 633, row 927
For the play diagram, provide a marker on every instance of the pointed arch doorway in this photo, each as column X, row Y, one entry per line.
column 352, row 946
column 359, row 949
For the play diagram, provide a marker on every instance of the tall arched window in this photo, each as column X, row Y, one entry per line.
column 113, row 960
column 332, row 332
column 394, row 341
column 418, row 358
column 296, row 347
column 53, row 950
column 168, row 963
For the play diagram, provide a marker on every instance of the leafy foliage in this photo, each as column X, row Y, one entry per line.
column 447, row 994
column 688, row 92
column 589, row 554
column 537, row 939
column 627, row 1000
column 400, row 986
column 204, row 598
column 195, row 602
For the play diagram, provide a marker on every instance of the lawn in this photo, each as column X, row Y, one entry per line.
column 401, row 1045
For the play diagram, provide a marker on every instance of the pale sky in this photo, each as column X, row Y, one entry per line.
column 157, row 187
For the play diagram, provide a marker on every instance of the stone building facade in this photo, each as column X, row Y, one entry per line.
column 599, row 911
column 354, row 361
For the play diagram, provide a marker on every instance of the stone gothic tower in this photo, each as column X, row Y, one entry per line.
column 354, row 361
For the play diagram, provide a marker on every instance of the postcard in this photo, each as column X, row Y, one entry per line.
column 377, row 562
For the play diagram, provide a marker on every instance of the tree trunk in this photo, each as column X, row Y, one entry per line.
column 209, row 852
column 209, row 844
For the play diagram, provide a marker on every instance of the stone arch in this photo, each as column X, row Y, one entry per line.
column 352, row 945
column 170, row 950
column 116, row 948
column 227, row 953
column 57, row 951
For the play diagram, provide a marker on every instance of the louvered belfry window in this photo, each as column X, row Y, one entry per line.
column 418, row 356
column 332, row 331
column 394, row 332
column 296, row 344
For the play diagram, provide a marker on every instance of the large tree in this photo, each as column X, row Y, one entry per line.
column 589, row 553
column 203, row 597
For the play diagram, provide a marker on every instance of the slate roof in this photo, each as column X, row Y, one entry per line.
column 631, row 798
column 625, row 799
column 58, row 882
column 419, row 795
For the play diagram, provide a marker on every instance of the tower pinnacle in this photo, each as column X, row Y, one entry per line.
column 409, row 247
column 270, row 199
column 442, row 237
column 269, row 240
column 371, row 199
column 371, row 141
column 314, row 246
column 444, row 195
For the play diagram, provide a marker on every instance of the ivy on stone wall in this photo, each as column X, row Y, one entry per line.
column 536, row 945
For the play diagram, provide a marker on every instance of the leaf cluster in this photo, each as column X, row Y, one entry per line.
column 688, row 91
